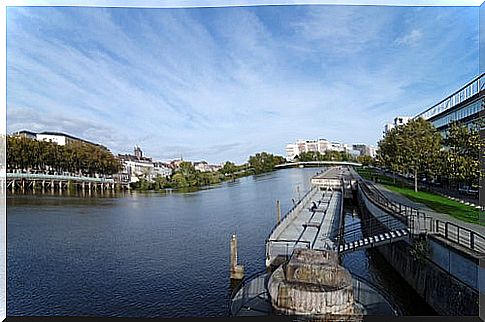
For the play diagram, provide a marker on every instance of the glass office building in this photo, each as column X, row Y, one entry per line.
column 463, row 106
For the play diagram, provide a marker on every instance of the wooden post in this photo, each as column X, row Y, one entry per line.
column 278, row 211
column 237, row 271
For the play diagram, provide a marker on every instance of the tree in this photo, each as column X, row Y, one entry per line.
column 365, row 160
column 229, row 168
column 27, row 154
column 264, row 162
column 413, row 147
column 462, row 148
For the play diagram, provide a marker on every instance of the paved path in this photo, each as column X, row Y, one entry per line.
column 428, row 211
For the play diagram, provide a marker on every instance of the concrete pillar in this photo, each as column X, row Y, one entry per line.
column 52, row 185
column 13, row 185
column 23, row 185
column 237, row 271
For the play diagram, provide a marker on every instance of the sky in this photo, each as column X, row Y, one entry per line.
column 220, row 84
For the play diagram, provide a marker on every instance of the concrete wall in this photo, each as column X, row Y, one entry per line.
column 446, row 278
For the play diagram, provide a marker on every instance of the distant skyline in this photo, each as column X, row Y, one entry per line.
column 221, row 84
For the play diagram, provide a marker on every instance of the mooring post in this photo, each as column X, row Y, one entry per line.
column 278, row 211
column 237, row 271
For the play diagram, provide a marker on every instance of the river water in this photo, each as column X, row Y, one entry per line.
column 156, row 254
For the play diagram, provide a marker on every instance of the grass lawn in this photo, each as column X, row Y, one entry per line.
column 440, row 204
column 436, row 202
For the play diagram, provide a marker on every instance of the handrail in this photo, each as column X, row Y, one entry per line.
column 357, row 282
column 285, row 216
column 55, row 177
column 241, row 284
column 413, row 215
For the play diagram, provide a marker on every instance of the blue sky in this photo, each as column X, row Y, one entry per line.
column 221, row 84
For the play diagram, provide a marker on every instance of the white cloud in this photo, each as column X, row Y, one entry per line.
column 212, row 88
column 410, row 39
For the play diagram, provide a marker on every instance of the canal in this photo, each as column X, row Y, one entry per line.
column 156, row 254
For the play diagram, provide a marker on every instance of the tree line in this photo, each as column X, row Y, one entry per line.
column 25, row 154
column 186, row 176
column 417, row 148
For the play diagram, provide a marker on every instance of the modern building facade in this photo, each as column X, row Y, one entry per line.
column 463, row 106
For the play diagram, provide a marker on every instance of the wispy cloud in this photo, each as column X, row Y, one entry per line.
column 222, row 83
column 410, row 39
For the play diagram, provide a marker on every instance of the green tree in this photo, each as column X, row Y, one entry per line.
column 264, row 162
column 365, row 160
column 413, row 147
column 229, row 168
column 462, row 148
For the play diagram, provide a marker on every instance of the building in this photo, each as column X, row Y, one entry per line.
column 136, row 166
column 364, row 149
column 464, row 106
column 26, row 134
column 203, row 166
column 55, row 137
column 398, row 121
column 161, row 169
column 322, row 145
column 292, row 151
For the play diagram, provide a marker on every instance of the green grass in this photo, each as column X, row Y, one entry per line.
column 436, row 202
column 440, row 204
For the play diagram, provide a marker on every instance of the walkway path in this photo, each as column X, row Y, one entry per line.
column 428, row 211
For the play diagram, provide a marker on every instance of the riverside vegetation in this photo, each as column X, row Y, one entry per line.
column 79, row 158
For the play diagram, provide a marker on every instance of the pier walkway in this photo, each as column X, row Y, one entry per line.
column 315, row 221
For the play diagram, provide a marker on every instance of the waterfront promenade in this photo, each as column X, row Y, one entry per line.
column 396, row 197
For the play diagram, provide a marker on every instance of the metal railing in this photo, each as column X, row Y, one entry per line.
column 418, row 221
column 291, row 211
column 235, row 306
column 41, row 176
column 286, row 247
column 365, row 293
column 364, row 289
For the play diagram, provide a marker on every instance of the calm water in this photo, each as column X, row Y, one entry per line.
column 153, row 254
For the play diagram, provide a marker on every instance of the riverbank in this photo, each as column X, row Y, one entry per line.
column 434, row 201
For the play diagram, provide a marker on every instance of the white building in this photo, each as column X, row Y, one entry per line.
column 54, row 137
column 137, row 166
column 398, row 121
column 203, row 166
column 291, row 151
column 322, row 145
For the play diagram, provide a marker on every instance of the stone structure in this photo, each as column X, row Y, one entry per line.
column 237, row 271
column 313, row 284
